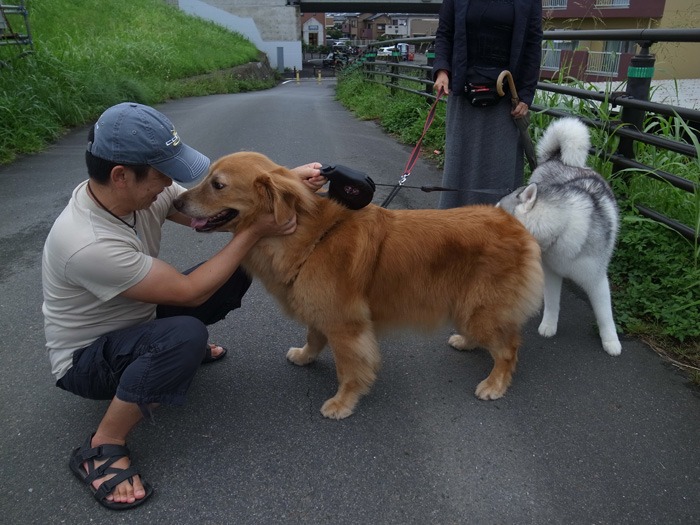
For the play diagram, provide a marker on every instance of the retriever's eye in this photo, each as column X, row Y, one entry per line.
column 217, row 185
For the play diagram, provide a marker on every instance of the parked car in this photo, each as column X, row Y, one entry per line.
column 387, row 52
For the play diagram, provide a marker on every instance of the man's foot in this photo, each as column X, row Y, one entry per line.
column 106, row 469
column 214, row 353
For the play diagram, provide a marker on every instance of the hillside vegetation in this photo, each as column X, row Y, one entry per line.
column 91, row 54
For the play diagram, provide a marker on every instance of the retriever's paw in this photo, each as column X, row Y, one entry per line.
column 486, row 390
column 299, row 356
column 460, row 342
column 334, row 409
column 612, row 347
column 547, row 329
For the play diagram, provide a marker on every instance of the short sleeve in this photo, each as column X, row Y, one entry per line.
column 108, row 268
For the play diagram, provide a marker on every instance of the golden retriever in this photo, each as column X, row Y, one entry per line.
column 349, row 274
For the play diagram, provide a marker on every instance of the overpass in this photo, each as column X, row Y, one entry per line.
column 368, row 6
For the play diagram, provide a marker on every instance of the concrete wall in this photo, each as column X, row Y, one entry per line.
column 270, row 24
column 678, row 60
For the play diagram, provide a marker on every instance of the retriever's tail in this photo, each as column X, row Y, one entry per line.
column 566, row 139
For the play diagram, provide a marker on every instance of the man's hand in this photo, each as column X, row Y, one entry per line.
column 266, row 226
column 310, row 175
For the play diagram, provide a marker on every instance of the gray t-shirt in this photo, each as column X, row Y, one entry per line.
column 89, row 259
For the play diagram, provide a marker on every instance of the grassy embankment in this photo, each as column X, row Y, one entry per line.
column 91, row 54
column 655, row 273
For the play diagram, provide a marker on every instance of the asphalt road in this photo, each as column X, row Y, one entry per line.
column 581, row 437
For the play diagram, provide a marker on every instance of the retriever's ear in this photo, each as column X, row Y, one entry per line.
column 275, row 197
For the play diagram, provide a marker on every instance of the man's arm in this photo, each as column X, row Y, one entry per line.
column 164, row 284
column 180, row 218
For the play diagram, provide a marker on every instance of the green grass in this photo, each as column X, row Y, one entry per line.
column 655, row 272
column 91, row 54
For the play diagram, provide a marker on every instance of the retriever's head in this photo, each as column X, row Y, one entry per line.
column 238, row 189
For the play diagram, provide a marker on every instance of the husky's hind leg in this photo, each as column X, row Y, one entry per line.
column 598, row 291
column 552, row 297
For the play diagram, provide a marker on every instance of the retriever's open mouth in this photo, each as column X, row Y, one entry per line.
column 211, row 223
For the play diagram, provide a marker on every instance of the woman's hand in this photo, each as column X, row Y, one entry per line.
column 442, row 81
column 520, row 110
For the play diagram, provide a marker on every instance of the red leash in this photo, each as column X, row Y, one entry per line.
column 415, row 153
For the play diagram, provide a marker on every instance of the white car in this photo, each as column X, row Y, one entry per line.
column 387, row 52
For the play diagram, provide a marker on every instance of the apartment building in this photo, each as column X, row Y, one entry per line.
column 598, row 61
column 372, row 26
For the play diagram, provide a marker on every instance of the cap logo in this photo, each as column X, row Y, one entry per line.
column 175, row 140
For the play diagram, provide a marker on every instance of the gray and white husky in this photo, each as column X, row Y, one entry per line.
column 571, row 211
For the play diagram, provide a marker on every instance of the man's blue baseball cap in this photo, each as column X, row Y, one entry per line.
column 134, row 134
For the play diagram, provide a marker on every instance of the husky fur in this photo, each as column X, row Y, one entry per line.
column 571, row 211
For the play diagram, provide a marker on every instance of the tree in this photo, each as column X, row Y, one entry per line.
column 334, row 33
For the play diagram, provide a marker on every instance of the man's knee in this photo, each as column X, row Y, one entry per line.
column 190, row 335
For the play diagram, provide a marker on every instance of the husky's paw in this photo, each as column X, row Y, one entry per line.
column 299, row 356
column 547, row 329
column 460, row 342
column 612, row 347
column 334, row 409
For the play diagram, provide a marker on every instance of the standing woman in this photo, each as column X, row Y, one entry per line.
column 476, row 40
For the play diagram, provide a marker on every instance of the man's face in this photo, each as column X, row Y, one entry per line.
column 146, row 191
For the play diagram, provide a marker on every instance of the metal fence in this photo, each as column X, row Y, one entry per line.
column 634, row 101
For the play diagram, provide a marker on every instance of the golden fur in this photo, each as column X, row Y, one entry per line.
column 349, row 274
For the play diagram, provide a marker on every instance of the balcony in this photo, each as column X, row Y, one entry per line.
column 554, row 4
column 611, row 4
column 561, row 12
column 551, row 59
column 591, row 66
column 602, row 63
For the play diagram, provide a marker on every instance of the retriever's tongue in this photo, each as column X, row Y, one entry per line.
column 197, row 223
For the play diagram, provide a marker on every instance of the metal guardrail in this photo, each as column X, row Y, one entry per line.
column 14, row 27
column 634, row 101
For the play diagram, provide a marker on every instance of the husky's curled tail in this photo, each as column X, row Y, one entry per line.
column 571, row 211
column 567, row 140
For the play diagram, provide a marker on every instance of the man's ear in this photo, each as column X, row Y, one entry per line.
column 118, row 175
column 527, row 198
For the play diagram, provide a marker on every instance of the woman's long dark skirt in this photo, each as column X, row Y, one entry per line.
column 483, row 153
